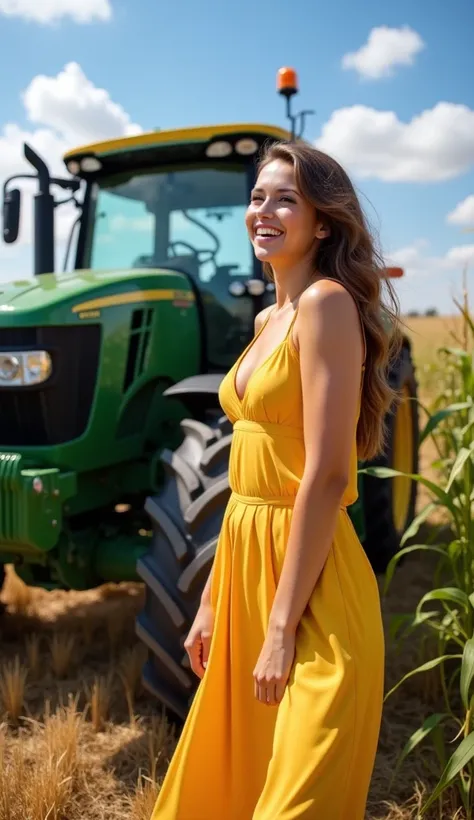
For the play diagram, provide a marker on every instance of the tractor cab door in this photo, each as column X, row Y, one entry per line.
column 228, row 319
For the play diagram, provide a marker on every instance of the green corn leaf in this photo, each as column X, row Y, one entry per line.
column 454, row 549
column 416, row 523
column 471, row 599
column 465, row 314
column 467, row 671
column 417, row 737
column 464, row 454
column 453, row 594
column 437, row 739
column 397, row 622
column 461, row 757
column 455, row 351
column 423, row 617
column 425, row 667
column 466, row 785
column 387, row 472
column 438, row 417
column 406, row 551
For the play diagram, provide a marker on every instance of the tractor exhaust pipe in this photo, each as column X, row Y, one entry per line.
column 43, row 215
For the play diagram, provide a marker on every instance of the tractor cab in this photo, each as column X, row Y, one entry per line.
column 172, row 200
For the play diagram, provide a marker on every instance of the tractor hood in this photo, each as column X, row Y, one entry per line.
column 84, row 288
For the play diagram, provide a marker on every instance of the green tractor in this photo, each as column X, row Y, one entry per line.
column 113, row 450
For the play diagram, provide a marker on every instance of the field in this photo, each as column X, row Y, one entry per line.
column 79, row 734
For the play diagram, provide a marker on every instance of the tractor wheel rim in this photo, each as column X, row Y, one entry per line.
column 403, row 451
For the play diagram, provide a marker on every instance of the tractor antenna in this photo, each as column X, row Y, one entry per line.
column 287, row 86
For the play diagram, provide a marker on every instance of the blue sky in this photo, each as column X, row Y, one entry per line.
column 183, row 63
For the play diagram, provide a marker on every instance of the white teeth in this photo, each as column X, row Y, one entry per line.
column 268, row 232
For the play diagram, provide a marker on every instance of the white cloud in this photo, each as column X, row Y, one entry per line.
column 50, row 11
column 432, row 280
column 463, row 213
column 67, row 109
column 74, row 107
column 417, row 261
column 437, row 144
column 385, row 49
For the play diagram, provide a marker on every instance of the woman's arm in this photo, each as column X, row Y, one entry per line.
column 206, row 593
column 331, row 353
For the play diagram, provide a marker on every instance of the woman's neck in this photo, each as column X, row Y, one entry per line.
column 291, row 282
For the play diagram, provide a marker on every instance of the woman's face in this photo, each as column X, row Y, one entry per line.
column 282, row 226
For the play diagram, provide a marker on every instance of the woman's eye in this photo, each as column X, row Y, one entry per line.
column 287, row 199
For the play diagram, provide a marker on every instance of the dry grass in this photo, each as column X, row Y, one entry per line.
column 99, row 702
column 102, row 756
column 62, row 653
column 33, row 654
column 117, row 761
column 144, row 799
column 40, row 771
column 130, row 671
column 12, row 689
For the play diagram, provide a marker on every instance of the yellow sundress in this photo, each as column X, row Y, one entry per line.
column 311, row 757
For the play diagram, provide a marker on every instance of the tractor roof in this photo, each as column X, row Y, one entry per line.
column 170, row 146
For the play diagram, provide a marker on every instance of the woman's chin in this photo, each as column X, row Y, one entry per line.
column 263, row 254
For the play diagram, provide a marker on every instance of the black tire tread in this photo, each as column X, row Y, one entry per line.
column 215, row 453
column 173, row 534
column 186, row 517
column 193, row 573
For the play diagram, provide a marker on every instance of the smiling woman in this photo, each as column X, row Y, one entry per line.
column 288, row 640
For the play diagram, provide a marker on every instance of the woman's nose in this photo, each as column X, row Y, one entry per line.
column 265, row 208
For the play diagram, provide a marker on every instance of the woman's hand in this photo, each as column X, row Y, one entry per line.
column 198, row 642
column 274, row 666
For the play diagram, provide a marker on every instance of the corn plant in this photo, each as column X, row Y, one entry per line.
column 446, row 613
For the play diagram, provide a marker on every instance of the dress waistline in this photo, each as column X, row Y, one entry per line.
column 274, row 430
column 269, row 501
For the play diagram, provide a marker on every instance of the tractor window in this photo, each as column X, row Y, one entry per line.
column 191, row 219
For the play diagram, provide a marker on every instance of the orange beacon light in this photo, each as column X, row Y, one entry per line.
column 287, row 81
column 287, row 86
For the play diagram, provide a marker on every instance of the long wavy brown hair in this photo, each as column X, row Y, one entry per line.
column 350, row 255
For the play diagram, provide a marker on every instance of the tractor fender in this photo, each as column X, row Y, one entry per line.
column 198, row 393
column 205, row 384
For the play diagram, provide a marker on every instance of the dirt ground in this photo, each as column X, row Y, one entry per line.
column 99, row 756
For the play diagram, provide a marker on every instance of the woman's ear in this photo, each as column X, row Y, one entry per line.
column 322, row 230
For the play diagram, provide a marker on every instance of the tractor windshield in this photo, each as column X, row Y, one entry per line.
column 191, row 218
column 188, row 218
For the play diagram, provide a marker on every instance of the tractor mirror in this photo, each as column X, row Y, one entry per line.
column 11, row 215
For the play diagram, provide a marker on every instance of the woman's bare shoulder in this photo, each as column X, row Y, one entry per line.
column 327, row 310
column 329, row 296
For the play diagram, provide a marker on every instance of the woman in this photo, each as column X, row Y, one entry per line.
column 288, row 640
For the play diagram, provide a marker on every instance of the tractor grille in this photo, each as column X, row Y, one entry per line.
column 58, row 410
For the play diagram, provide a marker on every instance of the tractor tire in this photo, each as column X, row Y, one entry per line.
column 389, row 504
column 186, row 517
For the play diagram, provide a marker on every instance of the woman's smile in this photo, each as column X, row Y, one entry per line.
column 265, row 235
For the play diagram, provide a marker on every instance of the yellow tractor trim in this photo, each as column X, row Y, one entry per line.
column 183, row 135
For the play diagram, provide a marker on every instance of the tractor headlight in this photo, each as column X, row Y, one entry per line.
column 21, row 369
